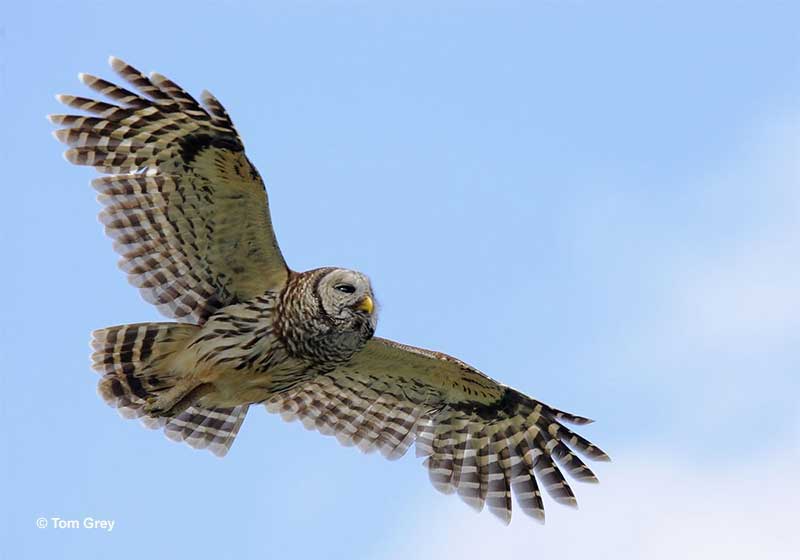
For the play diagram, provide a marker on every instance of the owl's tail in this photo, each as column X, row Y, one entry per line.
column 137, row 362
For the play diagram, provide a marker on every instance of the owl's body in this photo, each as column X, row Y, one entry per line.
column 236, row 356
column 189, row 215
column 243, row 354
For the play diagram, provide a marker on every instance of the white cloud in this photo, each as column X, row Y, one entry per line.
column 749, row 295
column 744, row 286
column 647, row 506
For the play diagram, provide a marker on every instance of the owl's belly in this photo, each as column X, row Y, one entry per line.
column 236, row 387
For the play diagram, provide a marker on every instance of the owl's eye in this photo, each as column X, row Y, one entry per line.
column 346, row 288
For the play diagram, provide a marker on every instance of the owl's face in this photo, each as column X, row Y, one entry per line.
column 346, row 298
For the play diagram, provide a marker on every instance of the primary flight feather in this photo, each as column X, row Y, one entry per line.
column 188, row 213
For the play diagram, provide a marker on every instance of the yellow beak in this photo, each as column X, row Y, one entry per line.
column 366, row 304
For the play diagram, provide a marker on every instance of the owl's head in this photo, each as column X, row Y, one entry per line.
column 346, row 298
column 327, row 314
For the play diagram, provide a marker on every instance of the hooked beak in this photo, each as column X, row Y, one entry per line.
column 366, row 304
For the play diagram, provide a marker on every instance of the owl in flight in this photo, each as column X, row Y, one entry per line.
column 189, row 215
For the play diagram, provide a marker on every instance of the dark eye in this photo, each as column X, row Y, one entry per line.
column 346, row 288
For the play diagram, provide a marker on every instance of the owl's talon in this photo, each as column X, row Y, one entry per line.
column 171, row 403
column 152, row 408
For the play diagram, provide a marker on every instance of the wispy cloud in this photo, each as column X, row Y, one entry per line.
column 729, row 320
column 743, row 288
column 727, row 267
column 648, row 505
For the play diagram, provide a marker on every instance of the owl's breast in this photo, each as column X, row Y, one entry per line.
column 238, row 352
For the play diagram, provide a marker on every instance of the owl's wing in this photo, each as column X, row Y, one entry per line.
column 187, row 210
column 481, row 438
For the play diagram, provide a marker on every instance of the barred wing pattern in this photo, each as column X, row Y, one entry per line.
column 187, row 210
column 480, row 438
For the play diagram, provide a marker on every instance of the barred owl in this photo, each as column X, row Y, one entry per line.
column 189, row 216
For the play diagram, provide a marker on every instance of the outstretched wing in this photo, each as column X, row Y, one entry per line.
column 187, row 210
column 481, row 438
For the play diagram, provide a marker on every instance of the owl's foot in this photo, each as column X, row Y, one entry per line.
column 174, row 401
column 155, row 406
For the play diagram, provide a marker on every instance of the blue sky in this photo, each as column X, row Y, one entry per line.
column 598, row 204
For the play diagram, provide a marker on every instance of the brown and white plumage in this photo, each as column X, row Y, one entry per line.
column 187, row 210
column 481, row 438
column 188, row 213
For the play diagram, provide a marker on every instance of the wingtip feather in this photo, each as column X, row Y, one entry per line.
column 537, row 515
column 569, row 501
column 502, row 515
column 61, row 134
column 599, row 455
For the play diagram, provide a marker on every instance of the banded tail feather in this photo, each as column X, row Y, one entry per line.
column 202, row 427
column 138, row 362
